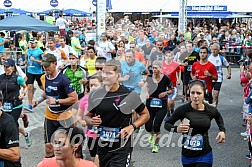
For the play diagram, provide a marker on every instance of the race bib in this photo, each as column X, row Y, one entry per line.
column 109, row 134
column 155, row 102
column 189, row 68
column 7, row 107
column 193, row 142
column 92, row 129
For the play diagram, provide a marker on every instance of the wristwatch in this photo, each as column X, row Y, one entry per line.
column 134, row 126
column 57, row 101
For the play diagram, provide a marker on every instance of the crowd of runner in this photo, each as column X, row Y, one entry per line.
column 107, row 78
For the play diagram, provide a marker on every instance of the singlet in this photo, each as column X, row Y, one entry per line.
column 90, row 65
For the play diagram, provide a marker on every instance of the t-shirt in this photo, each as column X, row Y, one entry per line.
column 9, row 137
column 75, row 42
column 58, row 87
column 59, row 54
column 61, row 22
column 50, row 19
column 115, row 109
column 34, row 67
column 147, row 51
column 216, row 60
column 190, row 59
column 157, row 55
column 75, row 77
column 198, row 71
column 22, row 45
column 139, row 57
column 135, row 73
column 105, row 47
column 200, row 123
column 90, row 65
column 52, row 162
column 83, row 105
column 171, row 71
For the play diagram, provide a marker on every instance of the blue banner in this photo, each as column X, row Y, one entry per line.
column 215, row 8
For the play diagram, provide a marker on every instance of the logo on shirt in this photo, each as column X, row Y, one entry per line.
column 50, row 88
column 13, row 142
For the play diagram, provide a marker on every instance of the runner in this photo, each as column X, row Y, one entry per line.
column 10, row 151
column 205, row 71
column 171, row 69
column 12, row 99
column 94, row 83
column 67, row 145
column 90, row 62
column 158, row 87
column 75, row 74
column 34, row 70
column 59, row 95
column 218, row 60
column 196, row 119
column 110, row 108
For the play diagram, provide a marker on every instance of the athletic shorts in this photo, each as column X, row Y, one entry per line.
column 115, row 158
column 32, row 77
column 217, row 86
column 174, row 94
column 187, row 78
column 207, row 158
column 92, row 146
column 50, row 126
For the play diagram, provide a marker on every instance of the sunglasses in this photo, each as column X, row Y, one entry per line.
column 6, row 66
column 98, row 68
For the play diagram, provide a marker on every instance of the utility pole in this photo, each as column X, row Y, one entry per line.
column 182, row 15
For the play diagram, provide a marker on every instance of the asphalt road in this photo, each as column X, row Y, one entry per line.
column 230, row 154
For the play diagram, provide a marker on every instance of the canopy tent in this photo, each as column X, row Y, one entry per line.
column 67, row 12
column 74, row 12
column 14, row 12
column 23, row 22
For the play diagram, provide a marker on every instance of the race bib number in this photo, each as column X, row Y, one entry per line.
column 193, row 142
column 7, row 107
column 155, row 102
column 92, row 129
column 189, row 68
column 109, row 134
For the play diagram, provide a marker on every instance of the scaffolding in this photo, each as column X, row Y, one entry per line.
column 182, row 15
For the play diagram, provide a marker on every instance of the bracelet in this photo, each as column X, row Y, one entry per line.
column 40, row 99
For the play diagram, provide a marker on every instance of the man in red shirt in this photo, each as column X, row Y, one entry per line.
column 205, row 71
column 171, row 69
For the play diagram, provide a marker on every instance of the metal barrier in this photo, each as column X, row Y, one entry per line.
column 17, row 56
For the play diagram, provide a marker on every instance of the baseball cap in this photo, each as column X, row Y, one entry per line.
column 33, row 40
column 73, row 53
column 9, row 62
column 48, row 59
column 77, row 32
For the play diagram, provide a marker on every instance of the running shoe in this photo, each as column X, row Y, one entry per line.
column 248, row 156
column 244, row 134
column 151, row 139
column 27, row 140
column 155, row 148
column 29, row 108
column 25, row 120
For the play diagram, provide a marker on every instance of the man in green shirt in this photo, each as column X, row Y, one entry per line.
column 75, row 73
column 75, row 42
column 50, row 19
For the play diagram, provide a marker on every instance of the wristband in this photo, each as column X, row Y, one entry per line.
column 40, row 99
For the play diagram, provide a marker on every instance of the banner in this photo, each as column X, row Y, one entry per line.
column 101, row 16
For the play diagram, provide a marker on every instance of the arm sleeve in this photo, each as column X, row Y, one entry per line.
column 20, row 80
column 219, row 120
column 11, row 135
